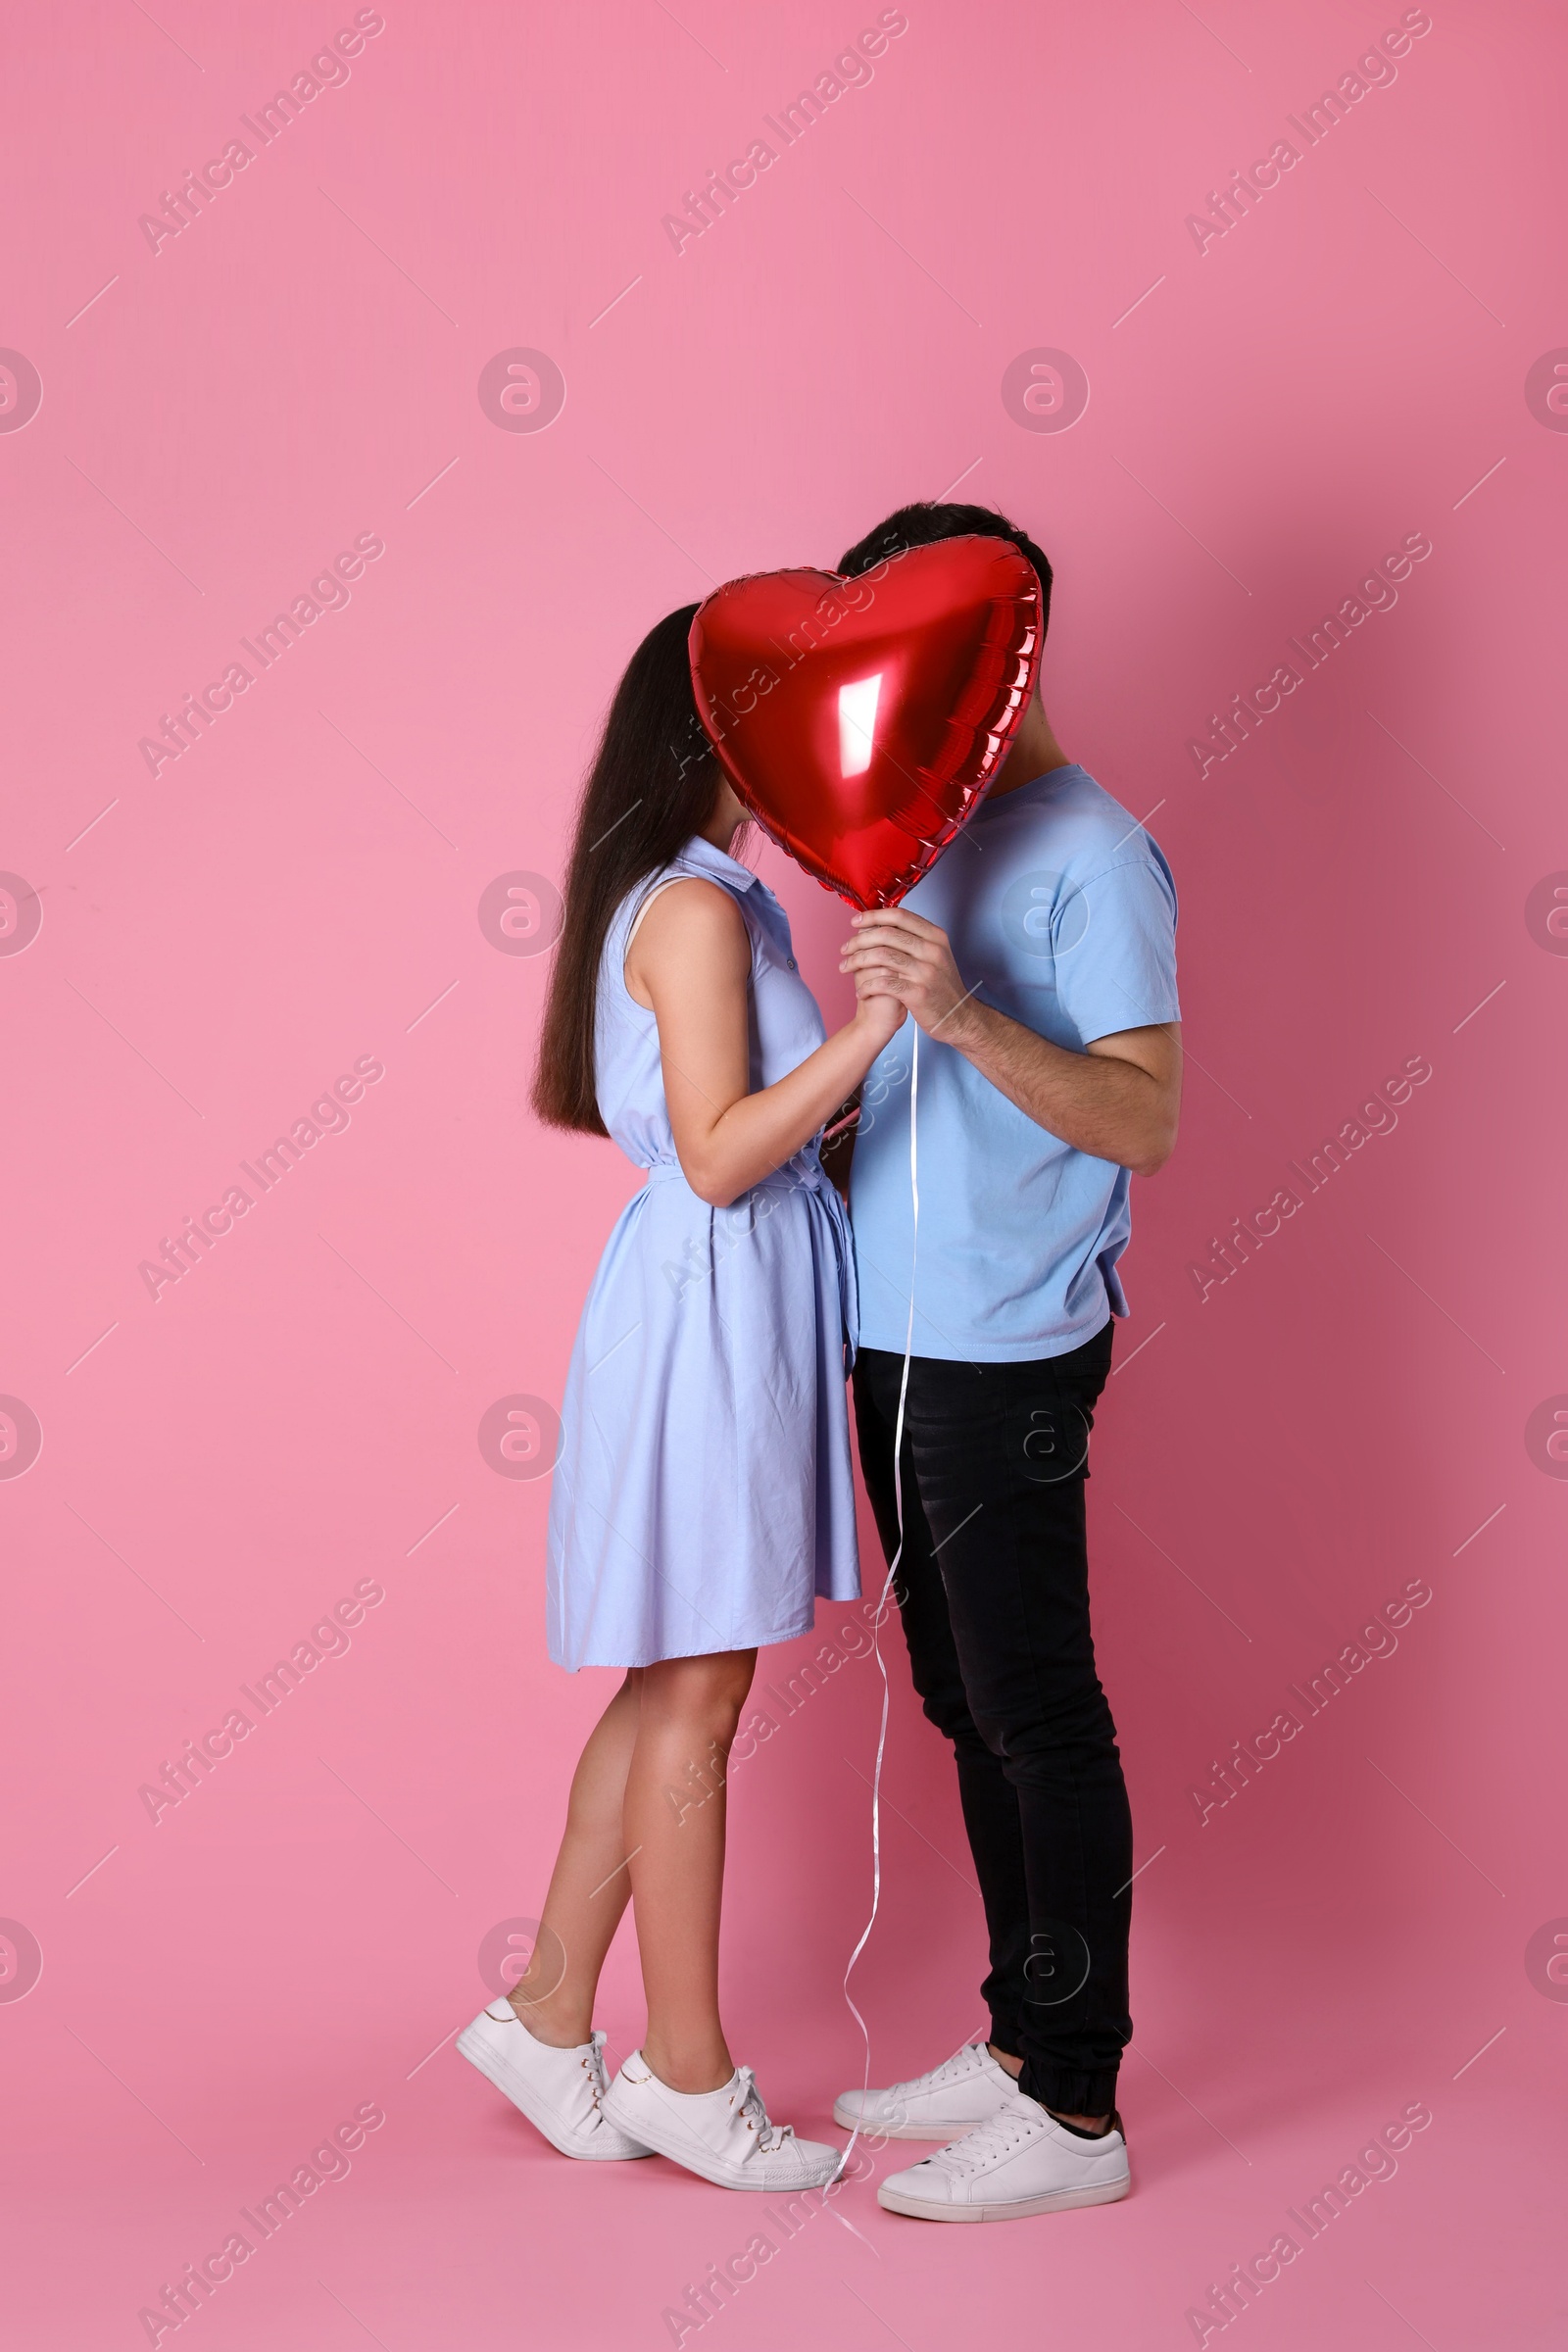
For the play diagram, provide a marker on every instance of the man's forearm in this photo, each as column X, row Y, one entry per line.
column 1101, row 1104
column 1119, row 1102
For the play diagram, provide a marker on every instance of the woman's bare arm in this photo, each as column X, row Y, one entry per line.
column 687, row 966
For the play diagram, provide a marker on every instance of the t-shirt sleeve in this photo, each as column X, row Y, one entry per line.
column 1120, row 970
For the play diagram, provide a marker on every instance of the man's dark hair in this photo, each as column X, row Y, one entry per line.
column 921, row 524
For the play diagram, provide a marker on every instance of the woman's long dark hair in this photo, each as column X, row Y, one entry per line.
column 652, row 786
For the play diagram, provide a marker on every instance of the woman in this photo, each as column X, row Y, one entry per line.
column 703, row 1493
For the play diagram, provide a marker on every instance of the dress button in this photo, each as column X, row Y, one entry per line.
column 791, row 962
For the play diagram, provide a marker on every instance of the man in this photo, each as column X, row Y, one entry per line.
column 1037, row 960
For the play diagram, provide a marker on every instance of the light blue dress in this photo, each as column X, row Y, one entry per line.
column 703, row 1496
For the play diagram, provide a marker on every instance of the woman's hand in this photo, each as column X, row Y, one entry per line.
column 877, row 1018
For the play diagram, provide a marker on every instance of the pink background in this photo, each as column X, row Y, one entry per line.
column 1267, row 418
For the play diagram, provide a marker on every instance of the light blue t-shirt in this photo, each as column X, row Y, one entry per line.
column 1061, row 913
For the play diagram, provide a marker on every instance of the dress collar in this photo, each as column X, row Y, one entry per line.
column 698, row 851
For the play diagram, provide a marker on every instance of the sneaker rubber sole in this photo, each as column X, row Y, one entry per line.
column 1057, row 2201
column 938, row 2135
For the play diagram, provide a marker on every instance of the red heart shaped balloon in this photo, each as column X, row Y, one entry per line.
column 860, row 720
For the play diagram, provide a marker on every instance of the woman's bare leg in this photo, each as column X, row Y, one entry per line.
column 673, row 1825
column 588, row 1887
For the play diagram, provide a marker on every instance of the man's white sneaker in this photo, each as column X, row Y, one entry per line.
column 965, row 2090
column 561, row 2091
column 1021, row 2162
column 722, row 2136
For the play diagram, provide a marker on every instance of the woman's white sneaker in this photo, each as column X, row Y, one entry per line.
column 1023, row 2162
column 561, row 2091
column 964, row 2091
column 722, row 2136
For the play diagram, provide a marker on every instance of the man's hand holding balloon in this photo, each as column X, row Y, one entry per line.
column 896, row 953
column 1116, row 1100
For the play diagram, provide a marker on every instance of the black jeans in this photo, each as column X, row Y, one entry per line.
column 994, row 1588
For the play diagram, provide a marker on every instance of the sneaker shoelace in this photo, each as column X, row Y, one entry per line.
column 1012, row 2128
column 593, row 2060
column 769, row 2135
column 951, row 2070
